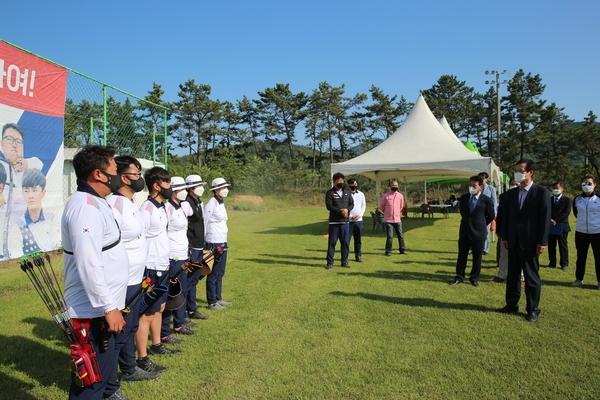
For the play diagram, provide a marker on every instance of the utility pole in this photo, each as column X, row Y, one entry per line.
column 497, row 82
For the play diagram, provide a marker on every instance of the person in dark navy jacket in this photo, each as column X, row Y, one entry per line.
column 477, row 212
column 339, row 202
column 559, row 227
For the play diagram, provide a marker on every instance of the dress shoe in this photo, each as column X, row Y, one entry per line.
column 345, row 265
column 498, row 280
column 475, row 283
column 531, row 317
column 565, row 268
column 329, row 266
column 359, row 259
column 551, row 266
column 388, row 254
column 455, row 282
column 508, row 310
column 403, row 252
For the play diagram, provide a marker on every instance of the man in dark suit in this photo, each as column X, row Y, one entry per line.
column 477, row 211
column 559, row 227
column 525, row 226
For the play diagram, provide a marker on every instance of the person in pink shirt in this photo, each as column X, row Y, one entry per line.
column 391, row 205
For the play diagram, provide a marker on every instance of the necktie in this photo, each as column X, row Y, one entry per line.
column 472, row 204
column 555, row 200
column 522, row 194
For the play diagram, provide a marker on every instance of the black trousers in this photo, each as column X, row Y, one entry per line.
column 563, row 249
column 463, row 254
column 582, row 244
column 528, row 262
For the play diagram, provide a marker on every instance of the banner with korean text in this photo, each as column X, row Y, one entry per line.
column 32, row 105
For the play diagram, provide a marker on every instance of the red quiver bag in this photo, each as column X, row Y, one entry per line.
column 83, row 357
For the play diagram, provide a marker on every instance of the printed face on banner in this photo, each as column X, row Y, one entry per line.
column 32, row 103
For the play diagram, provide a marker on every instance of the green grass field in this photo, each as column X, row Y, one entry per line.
column 387, row 328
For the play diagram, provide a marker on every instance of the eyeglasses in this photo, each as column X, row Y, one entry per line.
column 11, row 140
column 584, row 184
column 138, row 174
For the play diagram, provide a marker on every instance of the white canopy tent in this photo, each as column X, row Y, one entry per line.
column 420, row 149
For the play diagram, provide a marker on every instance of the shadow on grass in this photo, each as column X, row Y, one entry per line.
column 416, row 301
column 290, row 262
column 320, row 228
column 34, row 360
column 16, row 388
column 439, row 276
column 46, row 329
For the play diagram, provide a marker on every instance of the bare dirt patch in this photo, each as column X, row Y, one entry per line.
column 248, row 199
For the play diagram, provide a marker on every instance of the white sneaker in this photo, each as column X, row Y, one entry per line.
column 224, row 303
column 577, row 283
column 216, row 307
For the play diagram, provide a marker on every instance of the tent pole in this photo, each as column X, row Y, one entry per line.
column 377, row 183
column 425, row 191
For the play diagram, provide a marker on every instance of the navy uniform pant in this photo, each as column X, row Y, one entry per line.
column 341, row 232
column 356, row 234
column 214, row 280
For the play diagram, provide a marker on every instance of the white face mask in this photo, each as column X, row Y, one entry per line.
column 472, row 190
column 519, row 177
column 224, row 192
column 556, row 192
column 199, row 191
column 587, row 189
column 181, row 195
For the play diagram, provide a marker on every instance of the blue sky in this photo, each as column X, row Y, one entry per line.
column 242, row 47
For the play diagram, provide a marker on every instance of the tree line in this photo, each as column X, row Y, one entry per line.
column 254, row 143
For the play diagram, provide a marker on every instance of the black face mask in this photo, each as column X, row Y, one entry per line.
column 339, row 185
column 394, row 189
column 166, row 193
column 137, row 186
column 114, row 181
column 353, row 188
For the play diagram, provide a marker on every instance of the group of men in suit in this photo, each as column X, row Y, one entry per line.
column 524, row 220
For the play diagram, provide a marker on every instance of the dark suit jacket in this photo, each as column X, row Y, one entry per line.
column 529, row 225
column 195, row 232
column 503, row 198
column 560, row 212
column 473, row 224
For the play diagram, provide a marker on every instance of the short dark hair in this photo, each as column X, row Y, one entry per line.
column 91, row 158
column 123, row 163
column 477, row 178
column 338, row 175
column 484, row 175
column 32, row 178
column 589, row 176
column 557, row 183
column 351, row 181
column 13, row 126
column 156, row 175
column 529, row 164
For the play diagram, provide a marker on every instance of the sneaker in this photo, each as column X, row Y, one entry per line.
column 162, row 349
column 224, row 303
column 216, row 307
column 118, row 395
column 184, row 330
column 329, row 266
column 388, row 254
column 139, row 375
column 565, row 268
column 197, row 315
column 498, row 280
column 171, row 340
column 577, row 283
column 359, row 259
column 147, row 365
column 189, row 323
column 345, row 265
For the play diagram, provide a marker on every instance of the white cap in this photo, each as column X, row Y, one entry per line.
column 177, row 183
column 218, row 183
column 194, row 180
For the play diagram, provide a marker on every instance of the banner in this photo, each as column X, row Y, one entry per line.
column 32, row 106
